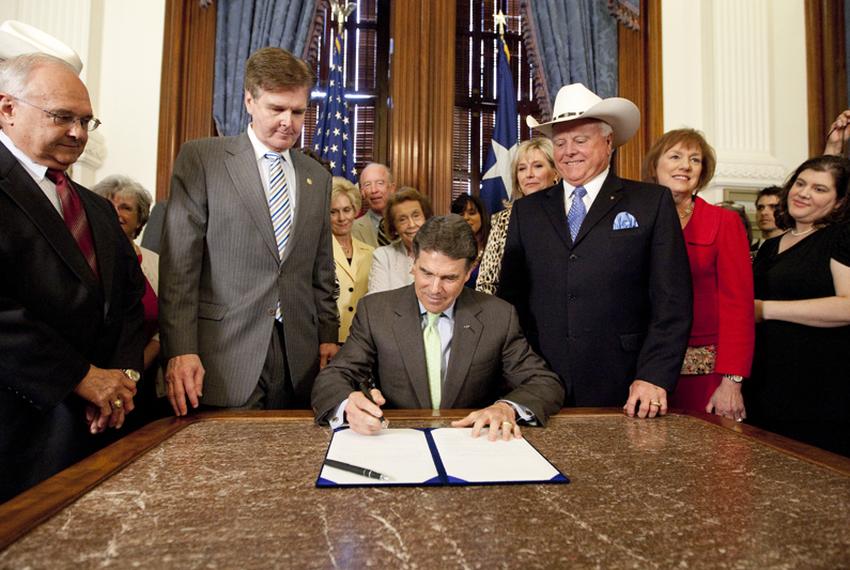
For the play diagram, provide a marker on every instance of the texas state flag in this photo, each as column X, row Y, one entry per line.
column 497, row 179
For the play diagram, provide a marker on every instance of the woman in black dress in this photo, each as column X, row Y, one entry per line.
column 800, row 386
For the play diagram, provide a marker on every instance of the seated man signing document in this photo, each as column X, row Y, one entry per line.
column 437, row 344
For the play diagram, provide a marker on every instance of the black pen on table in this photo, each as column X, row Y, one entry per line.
column 349, row 468
column 366, row 388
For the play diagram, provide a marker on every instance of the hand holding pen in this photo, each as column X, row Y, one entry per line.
column 363, row 410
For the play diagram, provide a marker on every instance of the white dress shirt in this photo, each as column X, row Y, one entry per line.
column 593, row 187
column 260, row 151
column 37, row 171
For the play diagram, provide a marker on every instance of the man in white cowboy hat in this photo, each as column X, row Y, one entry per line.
column 597, row 267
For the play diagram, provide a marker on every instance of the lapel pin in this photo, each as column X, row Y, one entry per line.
column 309, row 181
column 466, row 326
column 610, row 197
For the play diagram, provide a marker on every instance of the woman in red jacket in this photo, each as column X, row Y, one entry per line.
column 720, row 349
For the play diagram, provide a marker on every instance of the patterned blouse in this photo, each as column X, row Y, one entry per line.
column 491, row 262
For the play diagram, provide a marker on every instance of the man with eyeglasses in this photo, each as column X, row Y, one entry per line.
column 376, row 187
column 71, row 337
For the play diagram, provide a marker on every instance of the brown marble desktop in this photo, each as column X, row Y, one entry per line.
column 677, row 492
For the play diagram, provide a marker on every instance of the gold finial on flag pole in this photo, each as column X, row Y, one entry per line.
column 340, row 12
column 501, row 20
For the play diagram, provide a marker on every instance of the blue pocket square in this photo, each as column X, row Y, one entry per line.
column 624, row 221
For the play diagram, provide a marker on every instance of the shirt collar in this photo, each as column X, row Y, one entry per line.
column 260, row 150
column 37, row 171
column 449, row 312
column 593, row 186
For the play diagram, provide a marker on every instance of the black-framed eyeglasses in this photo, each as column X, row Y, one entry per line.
column 66, row 120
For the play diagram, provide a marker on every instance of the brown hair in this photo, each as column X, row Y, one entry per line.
column 689, row 138
column 405, row 194
column 274, row 69
column 449, row 235
column 839, row 168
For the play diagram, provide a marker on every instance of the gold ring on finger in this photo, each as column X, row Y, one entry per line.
column 117, row 403
column 655, row 403
column 509, row 424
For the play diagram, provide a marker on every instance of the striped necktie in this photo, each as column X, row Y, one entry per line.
column 433, row 358
column 577, row 211
column 75, row 216
column 280, row 207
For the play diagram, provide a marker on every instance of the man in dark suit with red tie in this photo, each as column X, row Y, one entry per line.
column 71, row 335
column 596, row 265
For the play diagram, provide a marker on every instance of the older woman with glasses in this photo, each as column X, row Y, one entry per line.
column 405, row 213
column 133, row 204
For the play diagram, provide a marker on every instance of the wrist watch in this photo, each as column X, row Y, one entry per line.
column 737, row 379
column 131, row 374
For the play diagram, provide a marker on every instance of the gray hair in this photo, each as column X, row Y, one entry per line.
column 344, row 187
column 15, row 71
column 449, row 235
column 389, row 172
column 126, row 186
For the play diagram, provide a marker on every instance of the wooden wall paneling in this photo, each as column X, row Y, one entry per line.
column 422, row 97
column 188, row 60
column 825, row 67
column 640, row 81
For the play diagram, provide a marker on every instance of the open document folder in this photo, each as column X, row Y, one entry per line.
column 428, row 456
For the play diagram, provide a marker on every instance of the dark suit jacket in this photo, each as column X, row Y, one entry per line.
column 56, row 319
column 221, row 276
column 612, row 307
column 490, row 358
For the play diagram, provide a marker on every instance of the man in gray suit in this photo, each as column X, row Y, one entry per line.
column 376, row 187
column 247, row 313
column 479, row 354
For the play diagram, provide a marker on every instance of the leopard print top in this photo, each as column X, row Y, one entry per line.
column 491, row 262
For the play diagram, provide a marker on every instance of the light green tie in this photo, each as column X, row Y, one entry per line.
column 433, row 358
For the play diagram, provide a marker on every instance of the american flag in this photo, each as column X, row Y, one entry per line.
column 333, row 139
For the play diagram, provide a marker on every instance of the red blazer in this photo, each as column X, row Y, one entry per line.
column 722, row 278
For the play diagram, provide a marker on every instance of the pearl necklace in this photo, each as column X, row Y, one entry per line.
column 808, row 231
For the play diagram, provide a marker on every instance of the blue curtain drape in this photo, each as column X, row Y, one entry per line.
column 573, row 41
column 244, row 26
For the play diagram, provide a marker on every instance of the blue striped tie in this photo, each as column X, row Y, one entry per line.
column 280, row 207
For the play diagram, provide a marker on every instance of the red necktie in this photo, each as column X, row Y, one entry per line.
column 75, row 216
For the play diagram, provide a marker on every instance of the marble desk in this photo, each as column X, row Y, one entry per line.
column 236, row 490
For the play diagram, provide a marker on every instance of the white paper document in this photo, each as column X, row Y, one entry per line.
column 444, row 456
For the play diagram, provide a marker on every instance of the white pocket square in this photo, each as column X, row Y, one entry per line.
column 624, row 221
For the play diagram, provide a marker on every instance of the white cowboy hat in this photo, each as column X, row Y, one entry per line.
column 18, row 38
column 575, row 101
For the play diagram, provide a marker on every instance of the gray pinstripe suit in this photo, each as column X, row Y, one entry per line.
column 219, row 272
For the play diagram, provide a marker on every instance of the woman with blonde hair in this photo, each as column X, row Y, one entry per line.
column 352, row 257
column 533, row 170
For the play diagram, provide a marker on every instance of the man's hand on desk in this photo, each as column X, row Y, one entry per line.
column 653, row 400
column 498, row 417
column 184, row 377
column 362, row 415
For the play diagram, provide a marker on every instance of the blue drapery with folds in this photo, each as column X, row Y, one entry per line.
column 573, row 41
column 243, row 26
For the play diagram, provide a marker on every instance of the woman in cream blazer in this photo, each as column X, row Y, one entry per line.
column 352, row 258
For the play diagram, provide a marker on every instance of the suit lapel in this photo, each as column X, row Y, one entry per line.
column 242, row 167
column 19, row 185
column 554, row 206
column 104, row 241
column 467, row 332
column 608, row 197
column 342, row 262
column 305, row 196
column 407, row 329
